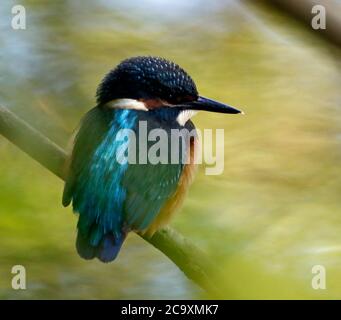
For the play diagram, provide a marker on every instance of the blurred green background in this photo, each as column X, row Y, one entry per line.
column 273, row 214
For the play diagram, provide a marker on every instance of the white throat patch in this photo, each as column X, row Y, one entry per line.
column 126, row 104
column 184, row 116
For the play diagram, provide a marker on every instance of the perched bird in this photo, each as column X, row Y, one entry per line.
column 112, row 198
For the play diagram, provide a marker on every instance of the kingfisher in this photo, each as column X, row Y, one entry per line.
column 112, row 197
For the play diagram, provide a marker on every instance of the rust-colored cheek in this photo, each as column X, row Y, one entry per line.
column 154, row 103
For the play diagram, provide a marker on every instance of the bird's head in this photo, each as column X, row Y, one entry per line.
column 149, row 83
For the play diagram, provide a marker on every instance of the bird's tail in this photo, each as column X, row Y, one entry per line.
column 107, row 249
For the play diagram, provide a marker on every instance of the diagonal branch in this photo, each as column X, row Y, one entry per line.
column 302, row 11
column 194, row 263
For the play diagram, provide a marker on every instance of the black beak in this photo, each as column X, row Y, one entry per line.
column 206, row 104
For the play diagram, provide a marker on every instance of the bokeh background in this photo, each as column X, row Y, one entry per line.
column 273, row 214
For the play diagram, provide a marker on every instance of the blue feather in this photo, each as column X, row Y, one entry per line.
column 98, row 195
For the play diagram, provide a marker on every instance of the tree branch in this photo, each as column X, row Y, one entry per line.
column 194, row 263
column 302, row 10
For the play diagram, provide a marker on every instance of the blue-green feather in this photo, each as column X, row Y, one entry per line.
column 113, row 198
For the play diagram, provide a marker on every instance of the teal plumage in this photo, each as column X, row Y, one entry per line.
column 113, row 199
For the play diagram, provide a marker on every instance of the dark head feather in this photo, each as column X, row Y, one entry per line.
column 147, row 78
